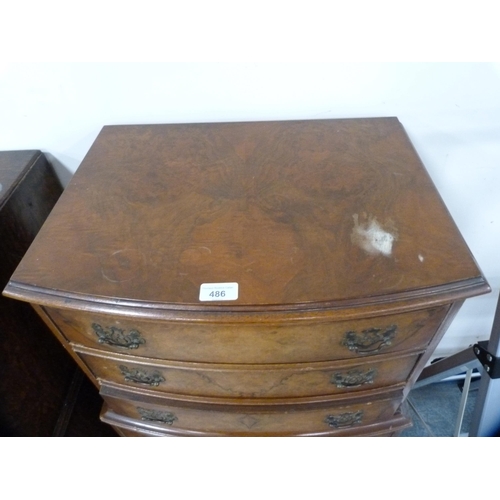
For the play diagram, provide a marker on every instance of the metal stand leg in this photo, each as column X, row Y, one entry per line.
column 463, row 402
column 448, row 367
column 486, row 416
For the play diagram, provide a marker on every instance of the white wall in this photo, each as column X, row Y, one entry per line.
column 450, row 111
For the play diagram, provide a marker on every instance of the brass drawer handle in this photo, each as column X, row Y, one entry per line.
column 369, row 341
column 138, row 376
column 353, row 378
column 344, row 419
column 117, row 337
column 163, row 417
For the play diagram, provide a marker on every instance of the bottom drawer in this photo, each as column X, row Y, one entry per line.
column 168, row 417
column 128, row 427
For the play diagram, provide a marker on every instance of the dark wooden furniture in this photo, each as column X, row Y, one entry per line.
column 35, row 371
column 273, row 279
column 40, row 395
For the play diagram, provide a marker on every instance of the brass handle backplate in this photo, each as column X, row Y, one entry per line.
column 353, row 378
column 115, row 336
column 138, row 376
column 344, row 419
column 369, row 341
column 163, row 417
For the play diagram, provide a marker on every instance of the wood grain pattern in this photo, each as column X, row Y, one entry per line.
column 213, row 380
column 280, row 342
column 297, row 213
column 173, row 417
column 128, row 427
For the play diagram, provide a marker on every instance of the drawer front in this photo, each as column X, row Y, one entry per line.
column 251, row 381
column 348, row 420
column 128, row 427
column 256, row 343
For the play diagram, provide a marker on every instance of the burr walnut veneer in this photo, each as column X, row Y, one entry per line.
column 244, row 279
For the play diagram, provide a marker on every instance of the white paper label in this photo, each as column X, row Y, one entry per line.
column 218, row 291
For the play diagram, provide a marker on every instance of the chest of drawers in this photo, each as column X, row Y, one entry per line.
column 250, row 279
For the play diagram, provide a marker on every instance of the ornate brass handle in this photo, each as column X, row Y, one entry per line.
column 163, row 417
column 138, row 376
column 369, row 341
column 353, row 378
column 344, row 419
column 117, row 337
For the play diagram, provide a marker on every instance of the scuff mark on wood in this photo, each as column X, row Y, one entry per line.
column 372, row 236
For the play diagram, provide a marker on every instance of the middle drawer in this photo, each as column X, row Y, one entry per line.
column 249, row 381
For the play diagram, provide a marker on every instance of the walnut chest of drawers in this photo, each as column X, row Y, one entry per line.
column 250, row 279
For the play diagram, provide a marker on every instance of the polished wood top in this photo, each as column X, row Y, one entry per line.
column 300, row 214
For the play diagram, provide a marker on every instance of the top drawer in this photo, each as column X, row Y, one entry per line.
column 251, row 343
